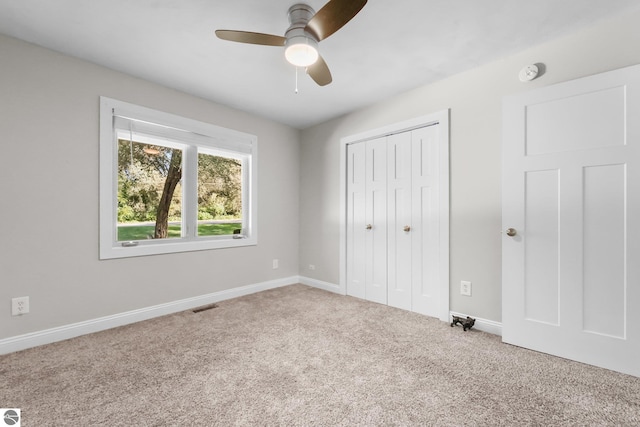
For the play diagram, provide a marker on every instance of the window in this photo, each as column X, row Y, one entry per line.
column 172, row 184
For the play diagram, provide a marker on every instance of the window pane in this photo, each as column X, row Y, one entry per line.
column 219, row 195
column 149, row 191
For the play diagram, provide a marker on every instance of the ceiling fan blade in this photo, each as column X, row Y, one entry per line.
column 333, row 16
column 319, row 72
column 251, row 38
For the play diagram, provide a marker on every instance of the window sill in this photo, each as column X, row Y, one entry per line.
column 142, row 248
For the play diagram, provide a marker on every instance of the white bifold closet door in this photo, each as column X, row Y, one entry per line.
column 393, row 220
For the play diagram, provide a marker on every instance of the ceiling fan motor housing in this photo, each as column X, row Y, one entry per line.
column 301, row 47
column 299, row 14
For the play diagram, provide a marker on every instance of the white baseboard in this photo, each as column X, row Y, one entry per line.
column 47, row 336
column 331, row 287
column 489, row 326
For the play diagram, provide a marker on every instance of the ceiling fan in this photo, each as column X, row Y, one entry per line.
column 306, row 29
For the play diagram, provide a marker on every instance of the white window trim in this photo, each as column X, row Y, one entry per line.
column 191, row 131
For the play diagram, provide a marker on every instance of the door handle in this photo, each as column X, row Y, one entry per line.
column 369, row 227
column 511, row 232
column 407, row 228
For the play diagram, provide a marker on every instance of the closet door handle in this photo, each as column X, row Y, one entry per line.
column 369, row 226
column 407, row 228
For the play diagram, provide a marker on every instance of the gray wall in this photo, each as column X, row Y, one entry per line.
column 474, row 98
column 49, row 148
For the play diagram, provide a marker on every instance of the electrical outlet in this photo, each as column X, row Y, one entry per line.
column 19, row 306
column 312, row 267
column 465, row 288
column 275, row 264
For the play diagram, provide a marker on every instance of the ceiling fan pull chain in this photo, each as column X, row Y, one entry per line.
column 296, row 80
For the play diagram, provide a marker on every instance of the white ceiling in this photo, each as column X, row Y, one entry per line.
column 389, row 47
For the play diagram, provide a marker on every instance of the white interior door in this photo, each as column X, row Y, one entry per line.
column 571, row 192
column 396, row 178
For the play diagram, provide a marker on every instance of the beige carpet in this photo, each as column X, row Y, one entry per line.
column 298, row 356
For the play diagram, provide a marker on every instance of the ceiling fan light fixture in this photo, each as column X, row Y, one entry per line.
column 301, row 51
column 307, row 28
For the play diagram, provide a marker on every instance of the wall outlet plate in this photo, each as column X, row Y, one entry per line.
column 465, row 288
column 19, row 306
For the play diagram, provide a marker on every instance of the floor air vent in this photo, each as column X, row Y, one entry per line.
column 204, row 308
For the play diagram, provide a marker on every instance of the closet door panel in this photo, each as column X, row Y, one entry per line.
column 425, row 217
column 399, row 217
column 356, row 220
column 376, row 221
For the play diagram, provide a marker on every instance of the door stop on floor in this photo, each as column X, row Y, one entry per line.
column 466, row 323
